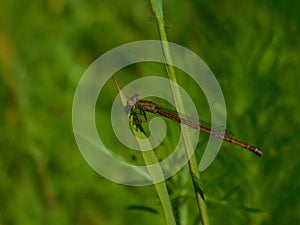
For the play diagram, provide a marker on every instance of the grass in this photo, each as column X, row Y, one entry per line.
column 193, row 168
column 45, row 49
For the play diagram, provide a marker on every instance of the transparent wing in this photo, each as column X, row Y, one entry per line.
column 215, row 127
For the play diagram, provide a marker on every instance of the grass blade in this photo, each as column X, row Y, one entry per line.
column 158, row 12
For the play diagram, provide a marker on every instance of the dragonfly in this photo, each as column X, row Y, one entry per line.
column 137, row 108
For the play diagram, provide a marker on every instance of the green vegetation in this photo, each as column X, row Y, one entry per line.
column 45, row 46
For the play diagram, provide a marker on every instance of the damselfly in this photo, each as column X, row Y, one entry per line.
column 135, row 103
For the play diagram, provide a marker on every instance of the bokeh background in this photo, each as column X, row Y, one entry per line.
column 45, row 47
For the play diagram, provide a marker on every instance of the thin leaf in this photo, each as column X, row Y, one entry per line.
column 142, row 208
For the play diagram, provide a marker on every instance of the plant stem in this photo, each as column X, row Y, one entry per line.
column 158, row 12
column 154, row 172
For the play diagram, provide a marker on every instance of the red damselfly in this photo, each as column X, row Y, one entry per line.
column 149, row 106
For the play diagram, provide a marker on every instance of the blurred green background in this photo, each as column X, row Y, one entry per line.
column 45, row 47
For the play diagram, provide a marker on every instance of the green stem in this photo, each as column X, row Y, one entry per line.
column 156, row 172
column 193, row 166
